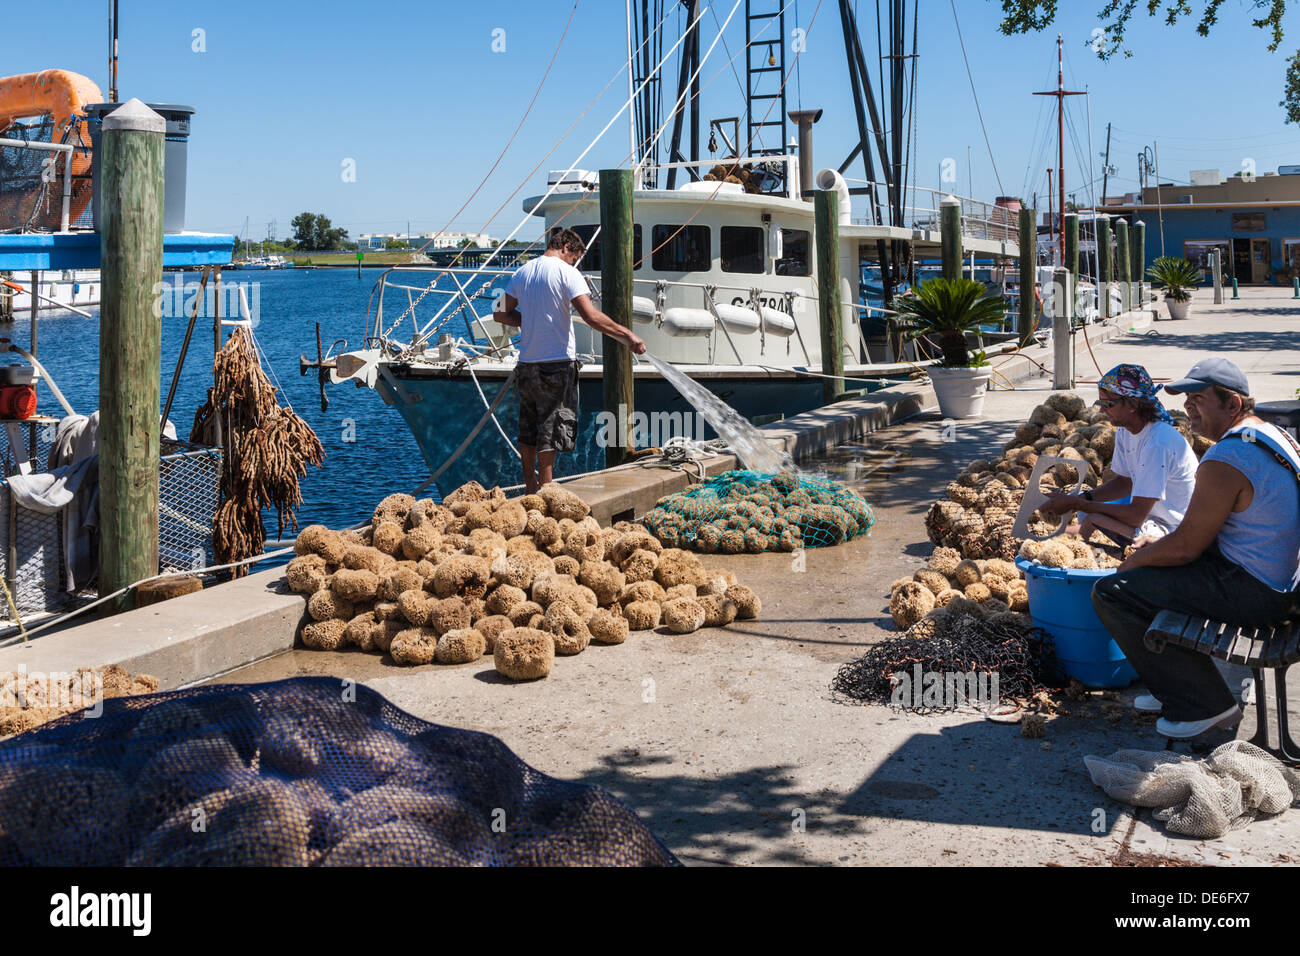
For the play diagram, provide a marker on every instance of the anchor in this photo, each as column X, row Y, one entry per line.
column 323, row 366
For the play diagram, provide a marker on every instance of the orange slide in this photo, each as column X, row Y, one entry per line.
column 62, row 95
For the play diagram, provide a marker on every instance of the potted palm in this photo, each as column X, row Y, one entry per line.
column 945, row 310
column 1176, row 278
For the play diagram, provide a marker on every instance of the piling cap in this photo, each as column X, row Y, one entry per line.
column 134, row 115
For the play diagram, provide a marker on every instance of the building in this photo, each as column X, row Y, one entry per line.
column 1253, row 219
column 446, row 240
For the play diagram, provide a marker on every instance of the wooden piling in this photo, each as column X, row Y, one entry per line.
column 1028, row 275
column 1072, row 243
column 130, row 338
column 1124, row 262
column 1103, row 266
column 6, row 298
column 950, row 237
column 826, row 226
column 1062, row 324
column 616, row 302
column 1139, row 263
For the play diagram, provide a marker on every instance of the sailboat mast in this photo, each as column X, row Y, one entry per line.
column 631, row 96
column 1060, row 93
column 1060, row 137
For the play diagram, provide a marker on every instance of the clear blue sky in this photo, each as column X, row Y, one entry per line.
column 411, row 90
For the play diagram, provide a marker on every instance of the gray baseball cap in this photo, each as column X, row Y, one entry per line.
column 1211, row 371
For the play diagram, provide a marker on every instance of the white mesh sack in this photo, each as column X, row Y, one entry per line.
column 1236, row 784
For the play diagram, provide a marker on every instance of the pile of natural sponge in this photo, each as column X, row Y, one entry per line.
column 29, row 700
column 522, row 579
column 981, row 587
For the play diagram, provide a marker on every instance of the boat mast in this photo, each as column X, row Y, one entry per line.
column 631, row 96
column 1060, row 93
column 112, row 51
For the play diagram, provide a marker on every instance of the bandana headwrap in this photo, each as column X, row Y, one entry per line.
column 1132, row 381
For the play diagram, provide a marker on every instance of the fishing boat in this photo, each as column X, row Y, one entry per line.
column 725, row 281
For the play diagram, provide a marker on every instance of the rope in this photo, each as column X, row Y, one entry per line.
column 678, row 453
column 492, row 408
column 13, row 609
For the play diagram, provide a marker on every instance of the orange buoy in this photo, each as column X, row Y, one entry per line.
column 62, row 96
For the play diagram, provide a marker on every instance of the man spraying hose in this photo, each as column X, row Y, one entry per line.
column 539, row 301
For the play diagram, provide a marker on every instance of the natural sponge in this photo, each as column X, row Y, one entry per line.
column 607, row 627
column 748, row 606
column 414, row 645
column 719, row 611
column 562, row 503
column 324, row 635
column 642, row 615
column 683, row 615
column 306, row 573
column 462, row 574
column 567, row 627
column 460, row 646
column 524, row 653
column 909, row 603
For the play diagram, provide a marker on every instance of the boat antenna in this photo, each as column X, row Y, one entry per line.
column 112, row 51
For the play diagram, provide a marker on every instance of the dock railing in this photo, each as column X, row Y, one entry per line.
column 979, row 220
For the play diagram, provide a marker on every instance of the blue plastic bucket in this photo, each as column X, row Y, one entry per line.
column 1060, row 601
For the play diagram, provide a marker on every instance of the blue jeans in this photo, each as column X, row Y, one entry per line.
column 1187, row 683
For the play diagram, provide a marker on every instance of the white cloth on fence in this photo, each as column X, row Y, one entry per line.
column 71, row 487
column 1235, row 785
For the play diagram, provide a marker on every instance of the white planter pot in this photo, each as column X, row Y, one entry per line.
column 960, row 390
column 1178, row 310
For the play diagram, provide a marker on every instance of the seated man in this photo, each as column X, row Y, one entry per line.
column 1153, row 465
column 1235, row 556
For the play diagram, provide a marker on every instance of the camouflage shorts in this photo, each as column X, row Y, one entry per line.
column 548, row 405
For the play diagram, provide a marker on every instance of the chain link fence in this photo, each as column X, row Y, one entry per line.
column 33, row 558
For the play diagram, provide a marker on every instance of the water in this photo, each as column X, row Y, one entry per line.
column 747, row 441
column 369, row 451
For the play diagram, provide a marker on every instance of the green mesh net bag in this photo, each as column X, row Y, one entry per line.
column 745, row 511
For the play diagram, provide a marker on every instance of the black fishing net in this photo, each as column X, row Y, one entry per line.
column 308, row 771
column 963, row 654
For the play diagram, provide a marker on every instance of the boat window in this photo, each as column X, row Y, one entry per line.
column 680, row 249
column 741, row 249
column 591, row 261
column 794, row 253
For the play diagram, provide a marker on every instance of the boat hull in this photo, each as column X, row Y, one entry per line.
column 441, row 410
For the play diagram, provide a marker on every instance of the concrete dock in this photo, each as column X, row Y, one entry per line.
column 727, row 742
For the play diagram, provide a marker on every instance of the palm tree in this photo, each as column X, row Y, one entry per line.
column 947, row 309
column 1175, row 277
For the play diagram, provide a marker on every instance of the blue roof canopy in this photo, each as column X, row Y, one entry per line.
column 80, row 250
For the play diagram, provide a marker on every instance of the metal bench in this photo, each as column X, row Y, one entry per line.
column 1262, row 649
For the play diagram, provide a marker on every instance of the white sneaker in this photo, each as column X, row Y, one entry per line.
column 1147, row 704
column 1187, row 729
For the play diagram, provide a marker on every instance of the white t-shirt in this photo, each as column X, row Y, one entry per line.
column 1161, row 465
column 544, row 288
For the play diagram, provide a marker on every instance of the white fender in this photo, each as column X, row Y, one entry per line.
column 643, row 309
column 738, row 319
column 777, row 323
column 683, row 321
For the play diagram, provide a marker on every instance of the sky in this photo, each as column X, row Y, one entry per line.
column 381, row 114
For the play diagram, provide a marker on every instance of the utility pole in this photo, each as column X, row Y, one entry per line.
column 1105, row 169
column 1061, row 93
